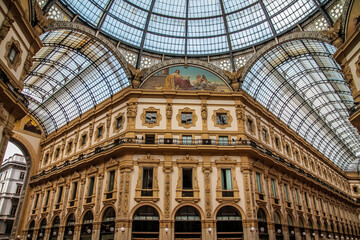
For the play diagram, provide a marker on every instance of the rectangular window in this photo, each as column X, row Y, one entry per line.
column 221, row 118
column 47, row 198
column 12, row 53
column 60, row 194
column 100, row 131
column 91, row 186
column 74, row 190
column 186, row 140
column 286, row 193
column 46, row 158
column 223, row 140
column 314, row 203
column 297, row 196
column 226, row 183
column 277, row 142
column 83, row 140
column 18, row 189
column 250, row 125
column 258, row 183
column 22, row 175
column 186, row 118
column 13, row 210
column 150, row 117
column 187, row 182
column 322, row 206
column 273, row 188
column 288, row 149
column 69, row 147
column 355, row 189
column 306, row 200
column 265, row 134
column 147, row 182
column 36, row 201
column 111, row 181
column 119, row 121
column 57, row 152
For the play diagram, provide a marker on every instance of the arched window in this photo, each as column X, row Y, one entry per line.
column 229, row 223
column 145, row 223
column 278, row 227
column 69, row 227
column 30, row 230
column 55, row 228
column 42, row 229
column 319, row 229
column 311, row 229
column 187, row 223
column 291, row 228
column 108, row 224
column 302, row 229
column 262, row 224
column 87, row 226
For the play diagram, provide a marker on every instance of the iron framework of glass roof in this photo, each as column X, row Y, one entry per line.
column 192, row 27
column 302, row 85
column 71, row 74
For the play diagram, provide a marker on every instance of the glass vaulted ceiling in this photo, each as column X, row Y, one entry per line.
column 193, row 27
column 71, row 74
column 301, row 84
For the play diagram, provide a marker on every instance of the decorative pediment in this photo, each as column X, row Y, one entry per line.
column 112, row 163
column 148, row 159
column 37, row 189
column 187, row 160
column 75, row 175
column 225, row 160
column 92, row 170
column 48, row 185
column 61, row 180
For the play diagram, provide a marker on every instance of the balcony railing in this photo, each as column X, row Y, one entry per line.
column 196, row 142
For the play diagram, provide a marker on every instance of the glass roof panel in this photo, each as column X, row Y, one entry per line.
column 248, row 23
column 72, row 78
column 293, row 82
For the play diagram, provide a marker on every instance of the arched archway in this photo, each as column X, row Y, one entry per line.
column 108, row 224
column 187, row 223
column 42, row 229
column 145, row 223
column 291, row 227
column 278, row 226
column 54, row 232
column 229, row 223
column 262, row 224
column 87, row 226
column 30, row 231
column 69, row 227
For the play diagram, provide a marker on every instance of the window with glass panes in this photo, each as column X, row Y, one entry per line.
column 223, row 140
column 111, row 181
column 226, row 182
column 187, row 182
column 286, row 192
column 221, row 118
column 186, row 118
column 258, row 182
column 91, row 186
column 150, row 117
column 147, row 181
column 297, row 196
column 186, row 139
column 273, row 186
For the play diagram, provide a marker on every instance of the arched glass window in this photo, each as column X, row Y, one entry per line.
column 229, row 223
column 30, row 230
column 187, row 223
column 262, row 224
column 55, row 228
column 108, row 224
column 69, row 227
column 302, row 229
column 311, row 229
column 145, row 223
column 278, row 226
column 319, row 228
column 42, row 229
column 291, row 227
column 87, row 226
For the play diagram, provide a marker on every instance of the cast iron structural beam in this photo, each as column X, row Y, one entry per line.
column 186, row 27
column 227, row 35
column 48, row 6
column 138, row 62
column 323, row 12
column 268, row 18
column 105, row 12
